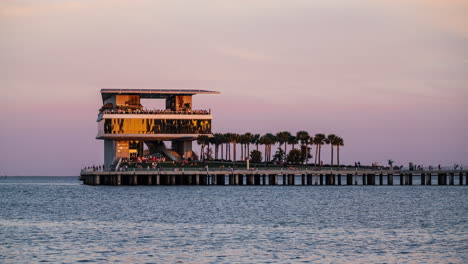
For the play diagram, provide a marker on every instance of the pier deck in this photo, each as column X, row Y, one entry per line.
column 275, row 177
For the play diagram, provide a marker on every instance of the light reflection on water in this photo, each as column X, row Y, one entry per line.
column 67, row 222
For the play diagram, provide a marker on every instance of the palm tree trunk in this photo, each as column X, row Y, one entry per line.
column 331, row 164
column 222, row 151
column 201, row 152
column 316, row 154
column 338, row 155
column 286, row 148
column 242, row 151
column 306, row 158
column 234, row 152
column 320, row 156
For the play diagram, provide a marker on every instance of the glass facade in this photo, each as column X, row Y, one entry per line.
column 156, row 126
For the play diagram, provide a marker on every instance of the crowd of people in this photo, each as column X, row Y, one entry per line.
column 156, row 112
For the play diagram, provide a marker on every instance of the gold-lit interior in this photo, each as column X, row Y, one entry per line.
column 156, row 126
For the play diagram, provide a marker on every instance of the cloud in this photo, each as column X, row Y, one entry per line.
column 449, row 15
column 243, row 54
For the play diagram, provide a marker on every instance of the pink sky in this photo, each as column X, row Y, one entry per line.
column 390, row 77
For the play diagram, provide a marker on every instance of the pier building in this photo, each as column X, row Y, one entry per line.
column 130, row 130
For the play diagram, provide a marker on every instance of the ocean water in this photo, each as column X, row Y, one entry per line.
column 59, row 220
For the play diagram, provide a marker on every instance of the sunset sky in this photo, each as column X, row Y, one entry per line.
column 389, row 76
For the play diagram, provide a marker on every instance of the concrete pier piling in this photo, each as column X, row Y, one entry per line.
column 339, row 179
column 452, row 178
column 303, row 179
column 309, row 179
column 321, row 179
column 364, row 179
column 291, row 179
column 423, row 178
column 401, row 179
column 429, row 178
column 273, row 179
column 349, row 179
column 250, row 180
column 381, row 179
column 257, row 179
column 390, row 179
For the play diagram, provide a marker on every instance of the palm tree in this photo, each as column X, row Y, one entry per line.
column 227, row 141
column 292, row 140
column 256, row 140
column 202, row 140
column 303, row 137
column 234, row 138
column 244, row 140
column 248, row 138
column 339, row 143
column 268, row 140
column 283, row 138
column 280, row 137
column 217, row 140
column 319, row 140
column 222, row 140
column 331, row 139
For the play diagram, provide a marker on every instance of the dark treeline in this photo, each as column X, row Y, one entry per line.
column 292, row 149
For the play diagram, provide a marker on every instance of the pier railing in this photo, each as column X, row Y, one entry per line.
column 275, row 169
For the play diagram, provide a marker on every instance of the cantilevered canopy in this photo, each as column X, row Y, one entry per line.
column 152, row 93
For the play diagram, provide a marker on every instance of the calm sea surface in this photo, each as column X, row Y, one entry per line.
column 58, row 220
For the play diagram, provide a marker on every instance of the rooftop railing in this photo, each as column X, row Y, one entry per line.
column 156, row 112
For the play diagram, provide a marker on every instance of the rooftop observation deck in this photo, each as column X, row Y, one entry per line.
column 152, row 93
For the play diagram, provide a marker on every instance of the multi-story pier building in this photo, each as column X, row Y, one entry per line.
column 126, row 126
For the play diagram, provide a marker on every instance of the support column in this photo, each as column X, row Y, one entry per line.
column 349, row 179
column 423, row 178
column 149, row 180
column 257, row 179
column 250, row 179
column 303, row 179
column 452, row 178
column 158, row 179
column 390, row 179
column 461, row 178
column 273, row 179
column 401, row 179
column 364, row 179
column 429, row 179
column 309, row 179
column 410, row 179
column 381, row 179
column 339, row 179
column 321, row 179
column 291, row 178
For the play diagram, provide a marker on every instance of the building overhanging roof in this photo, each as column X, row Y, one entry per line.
column 152, row 93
